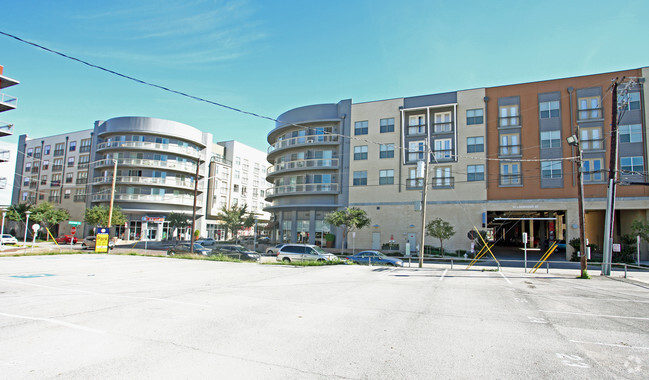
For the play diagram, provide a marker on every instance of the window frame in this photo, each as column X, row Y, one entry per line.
column 474, row 118
column 361, row 127
column 387, row 127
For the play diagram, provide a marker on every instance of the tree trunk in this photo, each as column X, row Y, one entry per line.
column 441, row 246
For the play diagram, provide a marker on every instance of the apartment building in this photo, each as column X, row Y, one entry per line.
column 157, row 165
column 497, row 156
column 7, row 103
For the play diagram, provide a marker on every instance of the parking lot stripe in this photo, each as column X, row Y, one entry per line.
column 54, row 321
column 506, row 279
column 443, row 274
column 594, row 315
column 611, row 345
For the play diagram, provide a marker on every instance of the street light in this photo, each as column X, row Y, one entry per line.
column 26, row 228
column 574, row 142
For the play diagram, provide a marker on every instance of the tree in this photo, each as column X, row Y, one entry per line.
column 440, row 229
column 235, row 218
column 17, row 212
column 47, row 215
column 353, row 218
column 179, row 220
column 98, row 216
column 641, row 228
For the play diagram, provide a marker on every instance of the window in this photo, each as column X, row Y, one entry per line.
column 360, row 178
column 632, row 165
column 387, row 125
column 592, row 170
column 30, row 152
column 237, row 161
column 443, row 177
column 73, row 146
column 68, row 177
column 443, row 150
column 386, row 151
column 550, row 139
column 386, row 177
column 509, row 144
column 590, row 138
column 416, row 124
column 510, row 173
column 589, row 108
column 37, row 152
column 632, row 101
column 415, row 150
column 509, row 115
column 85, row 146
column 360, row 152
column 46, row 164
column 549, row 110
column 443, row 122
column 475, row 173
column 237, row 174
column 630, row 133
column 475, row 144
column 66, row 194
column 59, row 149
column 26, row 181
column 70, row 162
column 82, row 177
column 25, row 195
column 235, row 188
column 43, row 180
column 360, row 128
column 35, row 168
column 550, row 169
column 28, row 167
column 474, row 116
column 46, row 149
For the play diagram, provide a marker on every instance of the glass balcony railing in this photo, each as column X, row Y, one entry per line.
column 303, row 140
column 316, row 163
column 149, row 145
column 302, row 188
column 183, row 166
column 8, row 100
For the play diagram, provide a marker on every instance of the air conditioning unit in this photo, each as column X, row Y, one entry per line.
column 309, row 140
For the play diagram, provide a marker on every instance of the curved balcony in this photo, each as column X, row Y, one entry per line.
column 6, row 129
column 138, row 162
column 297, row 165
column 155, row 181
column 148, row 145
column 185, row 200
column 309, row 188
column 303, row 141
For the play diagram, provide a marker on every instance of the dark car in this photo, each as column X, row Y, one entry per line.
column 374, row 258
column 184, row 248
column 236, row 251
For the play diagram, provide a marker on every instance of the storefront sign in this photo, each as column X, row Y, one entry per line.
column 153, row 219
column 101, row 242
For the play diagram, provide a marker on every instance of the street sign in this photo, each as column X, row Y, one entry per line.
column 73, row 223
column 36, row 227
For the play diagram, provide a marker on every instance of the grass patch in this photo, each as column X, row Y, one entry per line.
column 584, row 276
column 308, row 263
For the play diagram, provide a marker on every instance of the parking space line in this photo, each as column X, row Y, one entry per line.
column 505, row 277
column 611, row 345
column 594, row 315
column 54, row 321
column 443, row 274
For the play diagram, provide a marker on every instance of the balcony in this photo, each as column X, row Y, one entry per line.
column 510, row 150
column 83, row 165
column 592, row 144
column 443, row 182
column 57, row 168
column 303, row 140
column 509, row 121
column 169, row 182
column 37, row 155
column 510, row 179
column 185, row 200
column 414, row 183
column 444, row 127
column 33, row 185
column 4, row 155
column 7, row 102
column 316, row 188
column 59, row 152
column 6, row 129
column 316, row 163
column 79, row 198
column 587, row 114
column 595, row 176
column 417, row 130
column 183, row 166
column 84, row 148
column 55, row 183
column 82, row 181
column 148, row 145
column 443, row 155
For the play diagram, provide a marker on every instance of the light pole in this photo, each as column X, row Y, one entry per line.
column 573, row 141
column 26, row 228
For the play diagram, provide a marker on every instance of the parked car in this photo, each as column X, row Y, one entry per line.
column 183, row 248
column 263, row 240
column 206, row 242
column 374, row 257
column 91, row 242
column 272, row 251
column 66, row 239
column 9, row 239
column 236, row 252
column 303, row 252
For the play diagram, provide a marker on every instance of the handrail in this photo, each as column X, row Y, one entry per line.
column 315, row 163
column 302, row 140
column 188, row 166
column 8, row 99
column 301, row 188
column 149, row 145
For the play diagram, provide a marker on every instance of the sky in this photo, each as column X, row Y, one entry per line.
column 268, row 57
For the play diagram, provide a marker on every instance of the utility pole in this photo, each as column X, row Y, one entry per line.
column 610, row 194
column 574, row 141
column 112, row 198
column 423, row 203
column 198, row 165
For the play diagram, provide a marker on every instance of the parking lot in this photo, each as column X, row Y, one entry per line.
column 109, row 316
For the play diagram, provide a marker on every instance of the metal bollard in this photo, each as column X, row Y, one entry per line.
column 451, row 264
column 547, row 266
column 624, row 270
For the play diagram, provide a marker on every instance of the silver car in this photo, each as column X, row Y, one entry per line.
column 303, row 252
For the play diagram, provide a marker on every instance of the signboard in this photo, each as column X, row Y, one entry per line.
column 73, row 230
column 101, row 242
column 617, row 248
column 153, row 219
column 73, row 223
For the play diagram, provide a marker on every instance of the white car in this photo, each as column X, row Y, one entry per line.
column 303, row 252
column 9, row 239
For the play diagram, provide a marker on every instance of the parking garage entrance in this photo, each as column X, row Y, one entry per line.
column 506, row 228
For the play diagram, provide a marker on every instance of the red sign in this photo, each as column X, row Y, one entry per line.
column 73, row 230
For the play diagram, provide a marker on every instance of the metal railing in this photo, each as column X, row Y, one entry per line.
column 184, row 166
column 509, row 150
column 6, row 128
column 9, row 100
column 443, row 155
column 418, row 129
column 85, row 148
column 186, row 200
column 591, row 144
column 442, row 182
column 171, row 181
column 509, row 121
column 79, row 198
column 302, row 188
column 589, row 113
column 303, row 140
column 57, row 168
column 316, row 163
column 446, row 126
column 510, row 179
column 414, row 183
column 59, row 152
column 150, row 145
